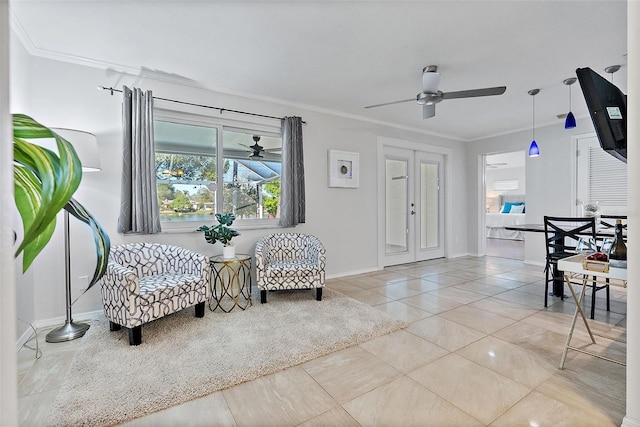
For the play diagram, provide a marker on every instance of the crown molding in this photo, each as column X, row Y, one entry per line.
column 138, row 72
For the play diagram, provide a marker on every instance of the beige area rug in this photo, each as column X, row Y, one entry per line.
column 182, row 357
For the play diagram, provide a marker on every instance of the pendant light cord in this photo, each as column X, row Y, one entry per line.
column 533, row 131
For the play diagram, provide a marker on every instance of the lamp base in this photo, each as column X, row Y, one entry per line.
column 67, row 332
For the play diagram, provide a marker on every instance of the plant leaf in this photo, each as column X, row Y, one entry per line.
column 45, row 183
column 100, row 237
column 26, row 191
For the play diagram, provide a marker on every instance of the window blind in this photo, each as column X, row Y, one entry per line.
column 607, row 178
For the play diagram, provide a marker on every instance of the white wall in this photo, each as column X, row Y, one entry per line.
column 632, row 417
column 8, row 371
column 19, row 102
column 549, row 178
column 65, row 95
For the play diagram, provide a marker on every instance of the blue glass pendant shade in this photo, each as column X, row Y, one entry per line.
column 570, row 121
column 534, row 151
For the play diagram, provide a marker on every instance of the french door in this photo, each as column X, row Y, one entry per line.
column 413, row 206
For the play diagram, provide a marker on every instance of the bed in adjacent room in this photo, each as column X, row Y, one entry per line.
column 512, row 212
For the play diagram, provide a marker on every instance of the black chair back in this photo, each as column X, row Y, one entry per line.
column 563, row 233
column 609, row 221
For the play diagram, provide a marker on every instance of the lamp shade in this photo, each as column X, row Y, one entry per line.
column 534, row 151
column 570, row 121
column 86, row 146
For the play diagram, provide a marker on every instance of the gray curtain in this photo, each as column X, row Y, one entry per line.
column 292, row 198
column 139, row 212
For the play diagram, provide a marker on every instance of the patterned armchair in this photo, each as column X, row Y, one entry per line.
column 147, row 281
column 289, row 261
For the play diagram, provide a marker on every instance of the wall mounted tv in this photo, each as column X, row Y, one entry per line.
column 608, row 109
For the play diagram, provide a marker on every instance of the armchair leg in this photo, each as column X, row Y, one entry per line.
column 318, row 294
column 200, row 309
column 135, row 335
column 114, row 326
column 263, row 297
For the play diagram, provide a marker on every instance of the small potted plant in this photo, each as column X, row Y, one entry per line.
column 223, row 233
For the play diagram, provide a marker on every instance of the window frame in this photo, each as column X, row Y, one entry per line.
column 220, row 125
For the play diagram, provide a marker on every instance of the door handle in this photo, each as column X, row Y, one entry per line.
column 413, row 212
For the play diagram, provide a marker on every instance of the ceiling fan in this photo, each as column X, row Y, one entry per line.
column 430, row 94
column 257, row 149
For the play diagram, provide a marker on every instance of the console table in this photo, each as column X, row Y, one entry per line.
column 230, row 282
column 573, row 273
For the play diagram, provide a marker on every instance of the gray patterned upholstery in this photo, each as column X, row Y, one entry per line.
column 289, row 261
column 146, row 281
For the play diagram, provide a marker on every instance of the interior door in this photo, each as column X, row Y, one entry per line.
column 399, row 206
column 414, row 206
column 429, row 206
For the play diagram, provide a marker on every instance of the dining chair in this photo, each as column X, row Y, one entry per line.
column 609, row 221
column 562, row 235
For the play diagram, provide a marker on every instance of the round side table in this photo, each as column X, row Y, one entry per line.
column 230, row 282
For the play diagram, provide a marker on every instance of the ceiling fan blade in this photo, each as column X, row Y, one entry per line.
column 430, row 81
column 390, row 103
column 489, row 91
column 428, row 110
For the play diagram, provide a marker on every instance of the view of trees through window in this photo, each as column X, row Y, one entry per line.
column 187, row 183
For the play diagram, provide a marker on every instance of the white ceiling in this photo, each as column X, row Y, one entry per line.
column 341, row 56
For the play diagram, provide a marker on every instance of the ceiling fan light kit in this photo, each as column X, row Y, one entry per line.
column 570, row 121
column 431, row 95
column 534, row 151
column 612, row 69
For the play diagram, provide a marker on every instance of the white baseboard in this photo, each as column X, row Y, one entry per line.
column 55, row 322
column 23, row 339
column 352, row 273
column 629, row 422
column 59, row 321
column 461, row 255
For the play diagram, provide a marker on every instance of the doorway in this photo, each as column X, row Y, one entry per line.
column 504, row 178
column 413, row 197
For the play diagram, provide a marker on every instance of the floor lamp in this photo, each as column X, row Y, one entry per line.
column 86, row 147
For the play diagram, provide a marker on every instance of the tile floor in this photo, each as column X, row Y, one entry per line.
column 479, row 350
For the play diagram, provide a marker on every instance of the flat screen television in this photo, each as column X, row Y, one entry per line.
column 608, row 109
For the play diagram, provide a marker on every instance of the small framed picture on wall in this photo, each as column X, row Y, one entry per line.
column 344, row 169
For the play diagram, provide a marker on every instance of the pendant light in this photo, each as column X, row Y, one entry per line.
column 570, row 121
column 534, row 151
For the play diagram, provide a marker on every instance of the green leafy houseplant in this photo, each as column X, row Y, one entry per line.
column 222, row 231
column 44, row 183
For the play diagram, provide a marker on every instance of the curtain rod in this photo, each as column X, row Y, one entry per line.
column 222, row 110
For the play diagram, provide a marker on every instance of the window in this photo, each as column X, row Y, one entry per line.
column 204, row 166
column 251, row 181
